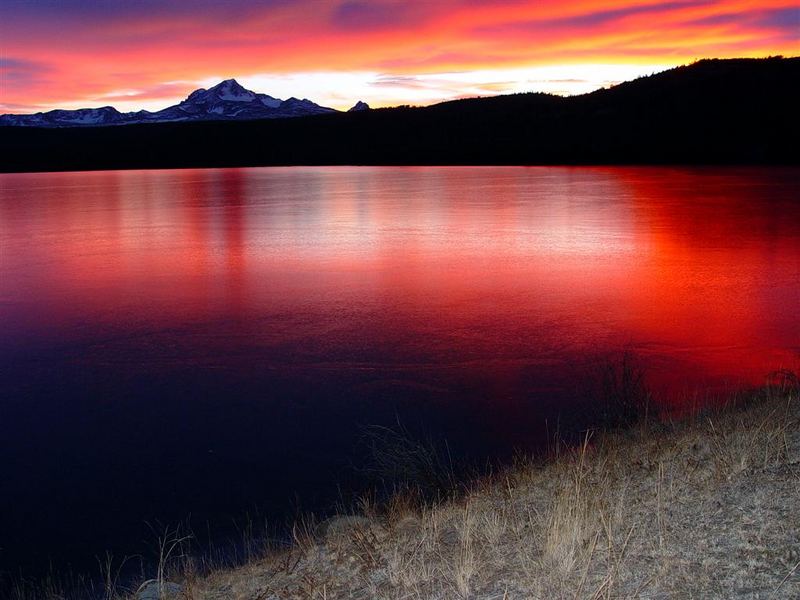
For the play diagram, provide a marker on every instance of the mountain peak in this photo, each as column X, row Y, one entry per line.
column 359, row 106
column 230, row 89
column 229, row 84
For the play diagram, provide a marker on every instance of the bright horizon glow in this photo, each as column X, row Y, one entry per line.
column 372, row 87
column 149, row 55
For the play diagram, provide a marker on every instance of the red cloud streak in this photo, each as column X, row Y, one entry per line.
column 65, row 53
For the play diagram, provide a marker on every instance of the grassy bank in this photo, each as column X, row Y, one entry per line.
column 707, row 507
column 703, row 507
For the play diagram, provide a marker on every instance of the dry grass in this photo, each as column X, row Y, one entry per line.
column 705, row 508
column 708, row 507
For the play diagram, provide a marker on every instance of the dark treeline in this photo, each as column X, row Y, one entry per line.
column 734, row 111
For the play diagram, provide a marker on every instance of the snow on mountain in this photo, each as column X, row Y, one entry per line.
column 106, row 115
column 269, row 101
column 232, row 91
column 228, row 100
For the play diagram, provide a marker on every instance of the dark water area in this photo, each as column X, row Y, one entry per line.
column 212, row 342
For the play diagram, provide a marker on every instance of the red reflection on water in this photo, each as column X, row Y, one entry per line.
column 722, row 287
column 500, row 275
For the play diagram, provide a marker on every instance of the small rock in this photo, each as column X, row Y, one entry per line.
column 341, row 526
column 449, row 536
column 152, row 590
column 408, row 526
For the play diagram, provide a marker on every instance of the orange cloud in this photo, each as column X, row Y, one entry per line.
column 148, row 54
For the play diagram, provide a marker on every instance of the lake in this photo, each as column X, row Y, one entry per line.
column 213, row 342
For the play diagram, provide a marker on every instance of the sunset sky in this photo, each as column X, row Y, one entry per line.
column 135, row 54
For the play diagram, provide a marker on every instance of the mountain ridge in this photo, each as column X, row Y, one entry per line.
column 228, row 100
column 714, row 111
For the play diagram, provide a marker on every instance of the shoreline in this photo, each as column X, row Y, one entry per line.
column 706, row 506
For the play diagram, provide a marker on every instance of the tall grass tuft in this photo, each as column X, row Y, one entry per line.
column 402, row 461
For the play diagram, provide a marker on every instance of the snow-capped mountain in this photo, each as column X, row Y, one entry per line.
column 225, row 101
column 107, row 115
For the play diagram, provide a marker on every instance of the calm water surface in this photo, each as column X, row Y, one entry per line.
column 212, row 341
